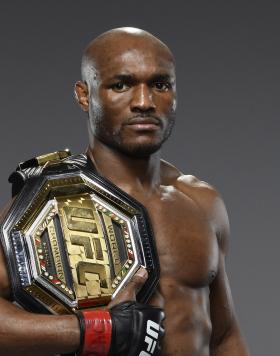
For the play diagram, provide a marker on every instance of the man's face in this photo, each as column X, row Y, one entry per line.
column 132, row 106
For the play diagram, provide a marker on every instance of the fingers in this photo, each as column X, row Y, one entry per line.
column 130, row 290
column 137, row 281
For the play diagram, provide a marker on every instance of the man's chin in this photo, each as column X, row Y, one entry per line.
column 139, row 151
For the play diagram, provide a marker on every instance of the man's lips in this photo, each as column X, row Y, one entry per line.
column 147, row 123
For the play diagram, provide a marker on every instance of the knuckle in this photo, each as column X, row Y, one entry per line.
column 138, row 280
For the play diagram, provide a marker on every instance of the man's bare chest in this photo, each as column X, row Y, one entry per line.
column 185, row 239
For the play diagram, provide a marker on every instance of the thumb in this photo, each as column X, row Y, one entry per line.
column 128, row 293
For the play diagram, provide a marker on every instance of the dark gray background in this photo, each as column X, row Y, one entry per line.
column 227, row 124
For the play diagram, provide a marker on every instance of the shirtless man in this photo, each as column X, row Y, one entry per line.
column 129, row 93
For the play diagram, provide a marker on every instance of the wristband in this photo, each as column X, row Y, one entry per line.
column 96, row 332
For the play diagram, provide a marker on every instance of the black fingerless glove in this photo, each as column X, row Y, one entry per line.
column 136, row 329
column 127, row 329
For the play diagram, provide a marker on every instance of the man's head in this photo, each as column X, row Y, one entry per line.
column 128, row 90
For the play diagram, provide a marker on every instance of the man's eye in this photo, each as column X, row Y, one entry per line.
column 161, row 86
column 120, row 86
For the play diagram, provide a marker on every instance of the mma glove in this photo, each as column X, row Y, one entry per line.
column 128, row 329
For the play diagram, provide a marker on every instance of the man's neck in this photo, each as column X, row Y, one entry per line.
column 130, row 174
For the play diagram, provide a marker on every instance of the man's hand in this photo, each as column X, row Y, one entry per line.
column 128, row 293
column 127, row 328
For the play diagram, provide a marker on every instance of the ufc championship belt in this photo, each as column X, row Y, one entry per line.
column 72, row 239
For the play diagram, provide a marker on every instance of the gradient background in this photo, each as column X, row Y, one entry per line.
column 227, row 129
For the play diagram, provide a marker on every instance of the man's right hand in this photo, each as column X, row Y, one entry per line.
column 127, row 328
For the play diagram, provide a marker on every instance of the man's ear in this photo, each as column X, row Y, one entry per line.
column 81, row 95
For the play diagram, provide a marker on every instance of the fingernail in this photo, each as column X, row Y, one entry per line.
column 142, row 272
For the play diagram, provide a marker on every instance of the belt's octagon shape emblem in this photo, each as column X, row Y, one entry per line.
column 73, row 240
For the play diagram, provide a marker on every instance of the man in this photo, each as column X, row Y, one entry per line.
column 129, row 93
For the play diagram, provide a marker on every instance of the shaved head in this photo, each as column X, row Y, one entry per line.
column 128, row 74
column 101, row 49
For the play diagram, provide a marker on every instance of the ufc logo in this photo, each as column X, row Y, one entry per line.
column 151, row 338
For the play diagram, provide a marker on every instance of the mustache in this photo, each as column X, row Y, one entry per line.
column 143, row 118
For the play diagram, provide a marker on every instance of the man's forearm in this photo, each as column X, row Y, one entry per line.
column 232, row 344
column 28, row 334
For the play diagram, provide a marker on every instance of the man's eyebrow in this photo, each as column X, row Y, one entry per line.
column 162, row 77
column 122, row 77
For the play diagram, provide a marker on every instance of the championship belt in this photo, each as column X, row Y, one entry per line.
column 72, row 239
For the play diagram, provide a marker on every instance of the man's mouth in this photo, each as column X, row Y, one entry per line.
column 145, row 123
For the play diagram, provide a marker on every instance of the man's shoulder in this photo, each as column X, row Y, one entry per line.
column 187, row 183
column 191, row 181
column 203, row 194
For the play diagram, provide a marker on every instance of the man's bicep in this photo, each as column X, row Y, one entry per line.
column 221, row 305
column 226, row 336
column 5, row 288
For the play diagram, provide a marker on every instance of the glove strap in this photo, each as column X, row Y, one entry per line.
column 96, row 332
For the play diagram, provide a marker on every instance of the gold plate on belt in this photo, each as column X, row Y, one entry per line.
column 76, row 243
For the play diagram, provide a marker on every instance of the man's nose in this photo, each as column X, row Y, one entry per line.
column 142, row 99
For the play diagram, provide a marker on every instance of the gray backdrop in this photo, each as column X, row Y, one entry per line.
column 227, row 124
